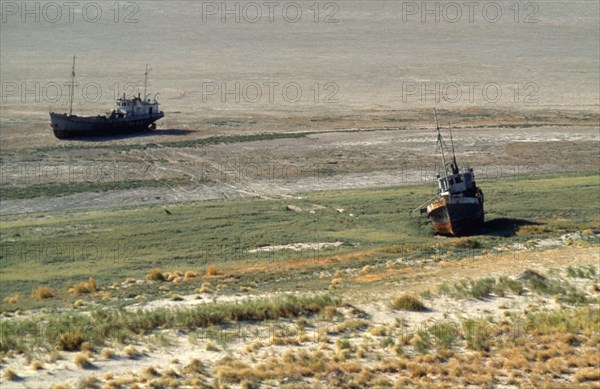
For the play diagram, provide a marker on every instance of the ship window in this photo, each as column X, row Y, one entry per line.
column 458, row 180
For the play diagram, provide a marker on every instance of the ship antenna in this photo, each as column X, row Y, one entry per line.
column 72, row 88
column 455, row 168
column 146, row 80
column 440, row 141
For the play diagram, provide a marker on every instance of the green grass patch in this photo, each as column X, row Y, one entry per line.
column 70, row 331
column 580, row 320
column 467, row 288
column 113, row 244
column 56, row 190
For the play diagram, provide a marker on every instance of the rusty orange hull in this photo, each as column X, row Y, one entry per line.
column 456, row 217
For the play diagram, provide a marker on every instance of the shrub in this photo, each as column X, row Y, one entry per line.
column 547, row 286
column 195, row 366
column 444, row 333
column 330, row 311
column 87, row 346
column 211, row 270
column 408, row 302
column 529, row 274
column 481, row 288
column 107, row 353
column 421, row 341
column 155, row 275
column 70, row 341
column 10, row 375
column 477, row 333
column 37, row 365
column 78, row 303
column 92, row 284
column 82, row 361
column 467, row 288
column 505, row 284
column 84, row 287
column 191, row 274
column 42, row 293
column 205, row 288
column 131, row 352
column 12, row 299
column 150, row 371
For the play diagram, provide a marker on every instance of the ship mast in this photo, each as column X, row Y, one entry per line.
column 146, row 80
column 72, row 88
column 440, row 141
column 455, row 167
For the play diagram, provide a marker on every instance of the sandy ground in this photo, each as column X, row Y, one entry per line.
column 182, row 349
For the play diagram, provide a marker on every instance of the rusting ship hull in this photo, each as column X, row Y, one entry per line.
column 73, row 127
column 456, row 217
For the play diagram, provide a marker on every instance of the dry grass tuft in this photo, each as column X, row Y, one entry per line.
column 211, row 346
column 12, row 299
column 79, row 303
column 211, row 270
column 254, row 346
column 84, row 287
column 82, row 360
column 191, row 274
column 130, row 280
column 194, row 367
column 330, row 311
column 61, row 386
column 529, row 275
column 108, row 353
column 150, row 371
column 408, row 302
column 70, row 341
column 87, row 347
column 131, row 352
column 42, row 293
column 155, row 275
column 588, row 374
column 171, row 373
column 10, row 375
column 37, row 365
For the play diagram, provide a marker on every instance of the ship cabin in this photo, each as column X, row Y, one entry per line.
column 457, row 183
column 136, row 107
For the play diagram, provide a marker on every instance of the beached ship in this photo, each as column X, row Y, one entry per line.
column 457, row 209
column 131, row 115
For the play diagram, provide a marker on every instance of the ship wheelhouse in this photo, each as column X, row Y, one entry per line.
column 457, row 183
column 136, row 107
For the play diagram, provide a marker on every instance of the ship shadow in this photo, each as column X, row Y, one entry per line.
column 166, row 132
column 504, row 226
